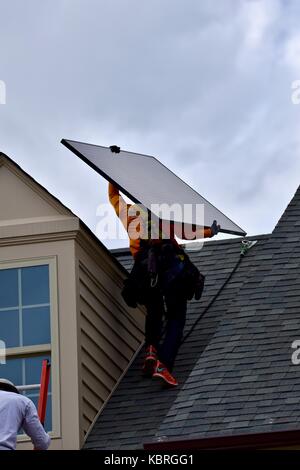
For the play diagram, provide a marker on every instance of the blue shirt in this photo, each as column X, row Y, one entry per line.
column 16, row 412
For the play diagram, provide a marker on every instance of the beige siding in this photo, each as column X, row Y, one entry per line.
column 94, row 333
column 65, row 361
column 110, row 333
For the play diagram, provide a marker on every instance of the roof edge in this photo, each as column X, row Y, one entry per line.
column 10, row 163
column 126, row 251
column 5, row 160
column 240, row 441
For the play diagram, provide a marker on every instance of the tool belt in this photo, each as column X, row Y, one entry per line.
column 162, row 265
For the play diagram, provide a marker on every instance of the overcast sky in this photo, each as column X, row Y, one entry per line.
column 205, row 86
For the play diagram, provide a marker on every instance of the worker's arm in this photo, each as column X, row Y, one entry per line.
column 33, row 427
column 116, row 199
column 198, row 232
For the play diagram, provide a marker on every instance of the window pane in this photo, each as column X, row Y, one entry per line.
column 12, row 371
column 33, row 369
column 35, row 285
column 9, row 328
column 8, row 288
column 36, row 325
column 48, row 420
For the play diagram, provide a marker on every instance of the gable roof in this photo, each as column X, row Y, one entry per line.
column 235, row 370
column 44, row 206
column 27, row 184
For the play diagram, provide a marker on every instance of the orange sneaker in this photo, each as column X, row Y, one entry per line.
column 150, row 361
column 162, row 373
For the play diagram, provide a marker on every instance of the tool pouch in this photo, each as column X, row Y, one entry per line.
column 179, row 274
column 137, row 287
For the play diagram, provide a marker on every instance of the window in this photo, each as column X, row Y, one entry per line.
column 27, row 323
column 25, row 306
column 27, row 371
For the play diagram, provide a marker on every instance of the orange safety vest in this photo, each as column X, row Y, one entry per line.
column 131, row 221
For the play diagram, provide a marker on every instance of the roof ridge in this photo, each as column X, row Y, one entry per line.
column 290, row 217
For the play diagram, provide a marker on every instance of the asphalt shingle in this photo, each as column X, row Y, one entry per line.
column 235, row 369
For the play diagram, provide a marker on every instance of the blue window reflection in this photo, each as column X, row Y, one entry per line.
column 25, row 289
column 25, row 321
column 36, row 325
column 12, row 371
column 8, row 288
column 33, row 369
column 35, row 285
column 9, row 328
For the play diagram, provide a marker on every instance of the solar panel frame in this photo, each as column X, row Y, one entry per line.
column 70, row 145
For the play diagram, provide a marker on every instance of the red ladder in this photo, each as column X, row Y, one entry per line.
column 45, row 377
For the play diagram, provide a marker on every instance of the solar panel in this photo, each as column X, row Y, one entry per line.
column 145, row 180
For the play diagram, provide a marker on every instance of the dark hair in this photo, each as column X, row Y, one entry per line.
column 8, row 388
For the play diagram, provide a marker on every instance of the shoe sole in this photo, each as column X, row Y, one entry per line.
column 156, row 375
column 149, row 367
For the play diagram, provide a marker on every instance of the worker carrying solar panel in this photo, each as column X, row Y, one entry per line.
column 162, row 275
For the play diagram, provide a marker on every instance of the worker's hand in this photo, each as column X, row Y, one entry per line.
column 215, row 228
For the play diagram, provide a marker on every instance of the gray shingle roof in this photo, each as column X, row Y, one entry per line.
column 235, row 369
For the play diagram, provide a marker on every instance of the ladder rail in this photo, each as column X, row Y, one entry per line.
column 45, row 378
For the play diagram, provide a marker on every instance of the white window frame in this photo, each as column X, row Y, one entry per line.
column 53, row 348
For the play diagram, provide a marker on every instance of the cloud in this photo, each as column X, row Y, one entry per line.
column 292, row 52
column 204, row 86
column 258, row 17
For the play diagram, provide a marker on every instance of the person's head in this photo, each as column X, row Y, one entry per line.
column 8, row 386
